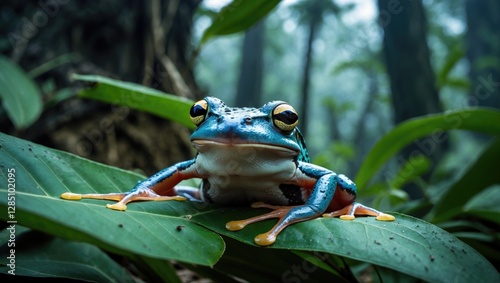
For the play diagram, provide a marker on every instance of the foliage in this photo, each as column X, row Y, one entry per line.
column 432, row 126
column 443, row 76
column 21, row 97
column 478, row 177
column 238, row 16
column 190, row 232
column 138, row 97
column 92, row 242
column 45, row 256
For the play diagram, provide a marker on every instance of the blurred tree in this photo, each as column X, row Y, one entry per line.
column 483, row 52
column 249, row 91
column 360, row 139
column 413, row 86
column 369, row 64
column 143, row 42
column 311, row 16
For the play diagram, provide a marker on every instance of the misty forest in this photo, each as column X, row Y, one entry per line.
column 401, row 96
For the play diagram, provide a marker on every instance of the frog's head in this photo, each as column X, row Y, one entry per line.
column 273, row 126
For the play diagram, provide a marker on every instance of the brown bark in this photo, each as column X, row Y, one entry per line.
column 146, row 42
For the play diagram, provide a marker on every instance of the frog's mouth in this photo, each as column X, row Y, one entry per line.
column 205, row 145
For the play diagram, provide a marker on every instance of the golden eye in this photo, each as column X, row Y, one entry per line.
column 198, row 112
column 285, row 117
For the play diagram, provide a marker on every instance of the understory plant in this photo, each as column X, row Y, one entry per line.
column 84, row 240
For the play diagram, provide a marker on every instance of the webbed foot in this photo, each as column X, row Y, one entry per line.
column 123, row 198
column 268, row 238
column 351, row 211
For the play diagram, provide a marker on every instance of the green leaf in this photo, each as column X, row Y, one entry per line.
column 210, row 272
column 138, row 97
column 21, row 97
column 237, row 16
column 39, row 255
column 415, row 167
column 147, row 229
column 320, row 260
column 271, row 265
column 458, row 82
column 156, row 270
column 485, row 204
column 479, row 176
column 54, row 63
column 392, row 276
column 451, row 60
column 408, row 244
column 60, row 95
column 362, row 64
column 482, row 120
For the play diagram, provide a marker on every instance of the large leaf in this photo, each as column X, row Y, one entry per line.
column 485, row 204
column 157, row 270
column 149, row 230
column 238, row 16
column 39, row 255
column 272, row 265
column 482, row 120
column 257, row 264
column 451, row 60
column 21, row 97
column 479, row 176
column 408, row 244
column 137, row 97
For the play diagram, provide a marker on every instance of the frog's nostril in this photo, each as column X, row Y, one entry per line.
column 248, row 119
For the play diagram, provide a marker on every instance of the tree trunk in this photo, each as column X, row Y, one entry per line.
column 249, row 92
column 314, row 22
column 143, row 42
column 483, row 52
column 359, row 140
column 412, row 79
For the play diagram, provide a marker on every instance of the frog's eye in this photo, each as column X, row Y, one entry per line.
column 198, row 112
column 285, row 117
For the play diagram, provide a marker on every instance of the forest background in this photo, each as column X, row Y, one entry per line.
column 354, row 70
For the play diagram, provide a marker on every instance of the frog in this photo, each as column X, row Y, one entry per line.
column 250, row 156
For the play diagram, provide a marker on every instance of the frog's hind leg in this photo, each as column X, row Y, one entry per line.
column 278, row 212
column 351, row 211
column 190, row 193
column 265, row 239
column 123, row 198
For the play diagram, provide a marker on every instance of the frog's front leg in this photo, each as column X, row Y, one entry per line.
column 323, row 189
column 159, row 187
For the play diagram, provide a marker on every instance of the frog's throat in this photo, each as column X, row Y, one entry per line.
column 202, row 145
